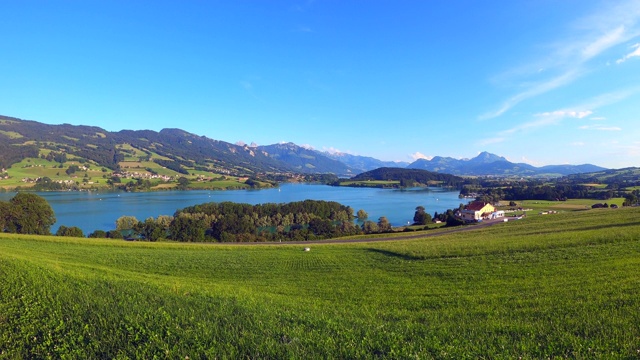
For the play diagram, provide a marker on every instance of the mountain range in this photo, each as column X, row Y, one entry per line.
column 180, row 150
column 486, row 164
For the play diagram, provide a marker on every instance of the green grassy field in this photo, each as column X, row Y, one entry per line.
column 36, row 167
column 11, row 134
column 568, row 205
column 545, row 287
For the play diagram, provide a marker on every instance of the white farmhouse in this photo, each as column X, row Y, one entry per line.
column 478, row 210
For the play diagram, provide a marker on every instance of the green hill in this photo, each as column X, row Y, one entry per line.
column 31, row 150
column 183, row 150
column 408, row 176
column 555, row 286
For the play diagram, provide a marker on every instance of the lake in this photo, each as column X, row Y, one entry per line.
column 92, row 211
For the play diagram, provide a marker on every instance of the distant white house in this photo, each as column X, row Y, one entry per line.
column 478, row 210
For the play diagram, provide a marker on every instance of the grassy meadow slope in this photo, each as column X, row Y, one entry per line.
column 563, row 285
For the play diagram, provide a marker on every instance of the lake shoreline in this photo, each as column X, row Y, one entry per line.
column 98, row 210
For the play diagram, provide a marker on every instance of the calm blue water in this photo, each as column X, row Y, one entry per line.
column 93, row 211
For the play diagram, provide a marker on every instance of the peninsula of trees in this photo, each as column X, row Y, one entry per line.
column 401, row 177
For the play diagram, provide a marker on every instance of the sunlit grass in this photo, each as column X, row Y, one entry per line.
column 558, row 286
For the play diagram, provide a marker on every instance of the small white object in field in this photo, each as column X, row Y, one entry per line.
column 307, row 249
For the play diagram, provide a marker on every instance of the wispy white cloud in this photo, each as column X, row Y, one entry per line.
column 418, row 155
column 635, row 53
column 307, row 146
column 600, row 128
column 604, row 42
column 597, row 118
column 577, row 143
column 567, row 113
column 534, row 90
column 588, row 38
column 548, row 118
column 555, row 117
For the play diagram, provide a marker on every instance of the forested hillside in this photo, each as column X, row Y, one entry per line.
column 410, row 177
column 176, row 149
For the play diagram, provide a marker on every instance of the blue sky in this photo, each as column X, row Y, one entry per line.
column 542, row 82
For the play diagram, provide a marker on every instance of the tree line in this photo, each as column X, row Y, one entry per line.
column 493, row 191
column 411, row 177
column 28, row 213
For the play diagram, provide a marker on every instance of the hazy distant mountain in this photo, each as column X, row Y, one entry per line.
column 362, row 163
column 305, row 160
column 489, row 164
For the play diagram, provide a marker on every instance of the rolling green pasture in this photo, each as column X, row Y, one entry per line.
column 141, row 166
column 596, row 186
column 37, row 167
column 544, row 287
column 31, row 168
column 132, row 153
column 11, row 134
column 569, row 205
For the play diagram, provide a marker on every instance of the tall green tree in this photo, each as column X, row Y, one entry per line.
column 384, row 224
column 421, row 217
column 29, row 214
column 126, row 223
column 183, row 183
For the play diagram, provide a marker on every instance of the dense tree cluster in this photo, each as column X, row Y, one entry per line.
column 410, row 177
column 233, row 222
column 58, row 157
column 11, row 154
column 320, row 178
column 172, row 165
column 26, row 213
column 449, row 217
column 73, row 231
column 227, row 221
column 46, row 184
column 535, row 191
column 632, row 198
